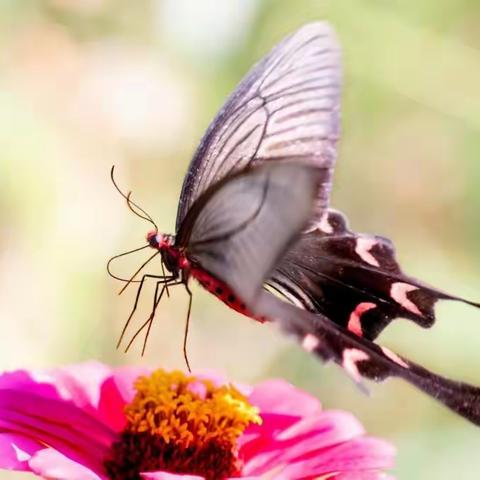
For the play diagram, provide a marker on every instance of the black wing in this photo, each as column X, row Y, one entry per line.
column 240, row 227
column 353, row 279
column 287, row 107
column 362, row 358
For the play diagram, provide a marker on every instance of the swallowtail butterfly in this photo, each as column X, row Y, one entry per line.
column 254, row 212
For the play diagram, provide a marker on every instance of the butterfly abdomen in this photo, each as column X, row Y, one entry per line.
column 221, row 291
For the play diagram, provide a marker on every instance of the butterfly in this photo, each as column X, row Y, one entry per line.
column 254, row 216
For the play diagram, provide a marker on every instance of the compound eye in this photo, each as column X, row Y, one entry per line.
column 152, row 239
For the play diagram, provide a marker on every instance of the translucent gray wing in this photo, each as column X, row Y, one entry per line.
column 241, row 228
column 287, row 107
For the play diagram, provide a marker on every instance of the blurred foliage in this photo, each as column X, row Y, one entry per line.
column 85, row 84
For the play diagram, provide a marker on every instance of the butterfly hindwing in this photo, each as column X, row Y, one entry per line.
column 286, row 108
column 353, row 279
column 361, row 358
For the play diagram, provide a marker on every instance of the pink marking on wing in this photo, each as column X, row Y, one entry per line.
column 394, row 357
column 363, row 247
column 350, row 358
column 399, row 292
column 324, row 225
column 354, row 324
column 310, row 342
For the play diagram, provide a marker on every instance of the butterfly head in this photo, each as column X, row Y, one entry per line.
column 160, row 241
column 165, row 243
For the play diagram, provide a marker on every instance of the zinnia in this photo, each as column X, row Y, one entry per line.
column 88, row 422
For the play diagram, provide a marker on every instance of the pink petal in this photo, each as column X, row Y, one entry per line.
column 16, row 450
column 169, row 476
column 358, row 455
column 115, row 392
column 331, row 427
column 77, row 383
column 21, row 380
column 51, row 464
column 278, row 396
column 91, row 386
column 308, row 434
column 81, row 383
column 100, row 391
column 258, row 438
column 57, row 423
column 361, row 476
column 125, row 377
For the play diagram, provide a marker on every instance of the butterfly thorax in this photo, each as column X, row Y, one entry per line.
column 173, row 257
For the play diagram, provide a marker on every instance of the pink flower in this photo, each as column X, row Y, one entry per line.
column 89, row 422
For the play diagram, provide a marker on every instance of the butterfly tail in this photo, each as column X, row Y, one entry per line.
column 361, row 358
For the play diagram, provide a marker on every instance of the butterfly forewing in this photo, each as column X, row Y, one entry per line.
column 248, row 221
column 287, row 107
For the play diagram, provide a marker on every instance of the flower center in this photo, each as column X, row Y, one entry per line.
column 181, row 424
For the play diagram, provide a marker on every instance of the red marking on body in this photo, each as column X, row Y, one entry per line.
column 223, row 292
column 354, row 323
column 183, row 263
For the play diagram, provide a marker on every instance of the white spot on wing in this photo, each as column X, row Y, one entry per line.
column 350, row 358
column 22, row 455
column 354, row 324
column 394, row 357
column 399, row 292
column 310, row 342
column 363, row 247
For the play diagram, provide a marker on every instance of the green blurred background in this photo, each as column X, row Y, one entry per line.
column 85, row 84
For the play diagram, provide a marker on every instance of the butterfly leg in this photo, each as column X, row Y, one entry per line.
column 137, row 297
column 156, row 302
column 187, row 324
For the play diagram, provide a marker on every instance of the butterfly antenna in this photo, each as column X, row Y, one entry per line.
column 131, row 204
column 122, row 255
column 131, row 280
column 134, row 207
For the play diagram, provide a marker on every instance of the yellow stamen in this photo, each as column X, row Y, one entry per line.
column 181, row 424
column 186, row 410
